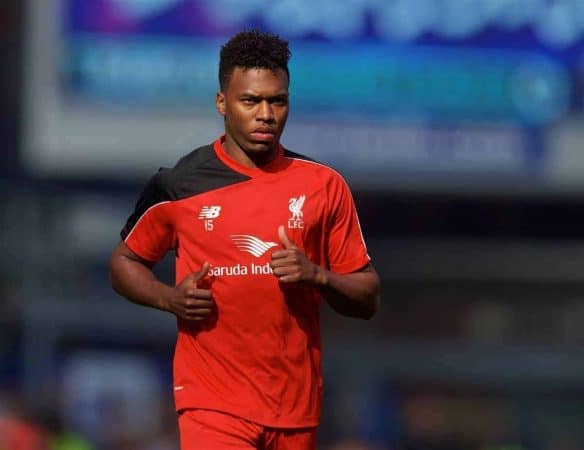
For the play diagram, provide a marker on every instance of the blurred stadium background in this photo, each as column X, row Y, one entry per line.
column 459, row 125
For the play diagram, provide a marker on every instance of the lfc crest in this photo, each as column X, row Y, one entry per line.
column 295, row 206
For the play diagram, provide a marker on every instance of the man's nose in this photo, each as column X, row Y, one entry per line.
column 265, row 111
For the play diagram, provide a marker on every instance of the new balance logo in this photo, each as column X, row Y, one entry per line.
column 251, row 244
column 209, row 212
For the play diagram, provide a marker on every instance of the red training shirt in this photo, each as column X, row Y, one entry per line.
column 261, row 358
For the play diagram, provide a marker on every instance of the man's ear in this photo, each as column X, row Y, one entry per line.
column 220, row 103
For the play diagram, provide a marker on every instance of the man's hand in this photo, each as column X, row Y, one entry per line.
column 290, row 265
column 189, row 300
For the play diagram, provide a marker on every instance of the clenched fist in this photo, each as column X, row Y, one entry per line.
column 191, row 299
column 290, row 265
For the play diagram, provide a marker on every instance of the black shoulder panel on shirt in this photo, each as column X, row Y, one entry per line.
column 200, row 171
column 291, row 154
column 197, row 172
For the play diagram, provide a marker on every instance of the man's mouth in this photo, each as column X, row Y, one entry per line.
column 263, row 134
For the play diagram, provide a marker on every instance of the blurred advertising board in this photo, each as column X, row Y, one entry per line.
column 416, row 94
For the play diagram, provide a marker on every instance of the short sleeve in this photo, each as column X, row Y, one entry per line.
column 346, row 249
column 149, row 231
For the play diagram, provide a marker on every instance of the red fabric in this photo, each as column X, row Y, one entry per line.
column 211, row 430
column 261, row 358
column 17, row 434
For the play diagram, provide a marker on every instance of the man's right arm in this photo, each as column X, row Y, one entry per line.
column 132, row 277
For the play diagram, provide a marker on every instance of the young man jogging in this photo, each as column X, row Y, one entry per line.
column 260, row 235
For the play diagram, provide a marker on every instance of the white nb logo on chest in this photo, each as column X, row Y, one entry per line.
column 207, row 214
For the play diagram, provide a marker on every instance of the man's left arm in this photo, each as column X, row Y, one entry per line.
column 354, row 294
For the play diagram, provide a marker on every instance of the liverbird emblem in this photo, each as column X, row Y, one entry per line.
column 295, row 206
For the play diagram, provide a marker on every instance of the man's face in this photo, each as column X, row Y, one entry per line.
column 255, row 107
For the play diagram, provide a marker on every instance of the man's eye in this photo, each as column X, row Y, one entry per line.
column 248, row 101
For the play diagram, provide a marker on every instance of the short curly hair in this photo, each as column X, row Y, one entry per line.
column 253, row 49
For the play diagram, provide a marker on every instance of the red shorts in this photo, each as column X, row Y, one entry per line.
column 202, row 429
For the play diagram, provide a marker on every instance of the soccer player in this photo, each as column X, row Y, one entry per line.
column 260, row 235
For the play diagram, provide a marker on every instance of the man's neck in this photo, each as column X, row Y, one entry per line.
column 248, row 158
